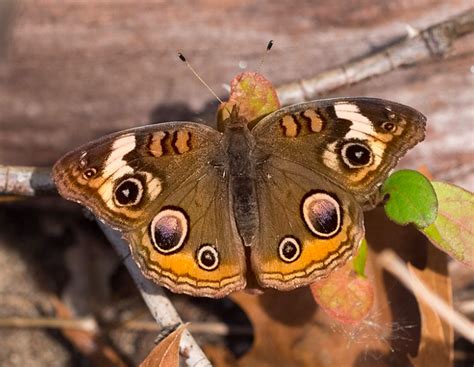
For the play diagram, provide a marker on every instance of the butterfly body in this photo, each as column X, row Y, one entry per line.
column 240, row 153
column 206, row 211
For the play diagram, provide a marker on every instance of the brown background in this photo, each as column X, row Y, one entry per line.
column 73, row 71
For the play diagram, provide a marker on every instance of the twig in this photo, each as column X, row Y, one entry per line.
column 214, row 328
column 433, row 42
column 158, row 303
column 391, row 262
column 89, row 324
column 26, row 181
column 466, row 307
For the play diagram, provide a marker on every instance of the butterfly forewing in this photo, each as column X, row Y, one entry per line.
column 354, row 142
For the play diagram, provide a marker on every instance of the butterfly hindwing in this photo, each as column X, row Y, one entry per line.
column 309, row 226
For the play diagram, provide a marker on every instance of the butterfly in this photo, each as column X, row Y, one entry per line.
column 278, row 205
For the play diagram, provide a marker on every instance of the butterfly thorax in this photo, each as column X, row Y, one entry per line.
column 240, row 146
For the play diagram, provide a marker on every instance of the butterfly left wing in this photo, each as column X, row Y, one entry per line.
column 318, row 164
column 163, row 187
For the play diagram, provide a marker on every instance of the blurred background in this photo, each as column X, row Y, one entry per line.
column 75, row 70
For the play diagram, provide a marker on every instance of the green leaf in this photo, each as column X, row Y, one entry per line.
column 412, row 199
column 453, row 229
column 359, row 261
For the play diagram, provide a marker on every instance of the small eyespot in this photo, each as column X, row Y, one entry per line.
column 168, row 230
column 89, row 173
column 322, row 214
column 128, row 192
column 389, row 126
column 289, row 249
column 356, row 155
column 207, row 257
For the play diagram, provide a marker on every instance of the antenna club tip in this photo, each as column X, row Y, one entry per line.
column 270, row 45
column 181, row 57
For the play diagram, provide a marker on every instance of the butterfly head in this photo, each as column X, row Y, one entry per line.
column 234, row 119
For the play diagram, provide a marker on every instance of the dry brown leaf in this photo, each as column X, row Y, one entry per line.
column 166, row 353
column 434, row 331
column 434, row 337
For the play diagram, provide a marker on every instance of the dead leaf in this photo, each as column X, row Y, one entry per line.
column 434, row 331
column 433, row 337
column 166, row 353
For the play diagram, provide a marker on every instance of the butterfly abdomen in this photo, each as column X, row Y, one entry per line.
column 239, row 145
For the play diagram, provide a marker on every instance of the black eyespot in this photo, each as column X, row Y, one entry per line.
column 89, row 173
column 289, row 249
column 168, row 231
column 356, row 155
column 207, row 257
column 128, row 192
column 322, row 213
column 389, row 126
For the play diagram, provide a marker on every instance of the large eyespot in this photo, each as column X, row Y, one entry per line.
column 168, row 230
column 289, row 249
column 89, row 173
column 128, row 192
column 322, row 213
column 356, row 154
column 207, row 257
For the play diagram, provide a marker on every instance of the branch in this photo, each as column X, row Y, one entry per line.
column 433, row 42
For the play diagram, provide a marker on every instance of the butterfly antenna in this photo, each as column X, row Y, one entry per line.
column 269, row 47
column 183, row 59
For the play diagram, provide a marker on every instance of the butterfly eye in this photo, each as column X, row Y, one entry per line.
column 322, row 213
column 128, row 192
column 289, row 249
column 207, row 257
column 389, row 126
column 168, row 230
column 89, row 173
column 356, row 155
